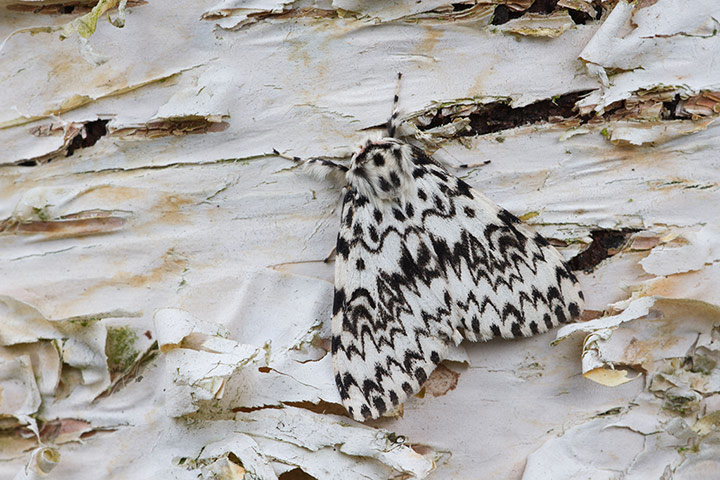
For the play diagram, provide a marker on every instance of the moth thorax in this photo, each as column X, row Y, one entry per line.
column 381, row 171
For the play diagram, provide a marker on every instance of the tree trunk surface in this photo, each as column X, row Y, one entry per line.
column 164, row 304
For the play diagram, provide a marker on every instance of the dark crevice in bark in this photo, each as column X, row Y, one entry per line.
column 504, row 14
column 295, row 474
column 669, row 111
column 459, row 7
column 605, row 243
column 93, row 131
column 497, row 116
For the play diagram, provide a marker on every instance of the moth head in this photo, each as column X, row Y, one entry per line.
column 382, row 169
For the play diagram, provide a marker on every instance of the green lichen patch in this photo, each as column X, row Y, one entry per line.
column 681, row 401
column 120, row 349
column 84, row 321
column 43, row 213
column 703, row 364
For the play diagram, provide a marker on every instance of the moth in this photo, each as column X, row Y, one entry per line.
column 423, row 261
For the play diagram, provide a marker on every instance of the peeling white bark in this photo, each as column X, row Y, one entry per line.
column 164, row 308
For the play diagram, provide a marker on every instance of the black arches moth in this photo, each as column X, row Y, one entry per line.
column 423, row 260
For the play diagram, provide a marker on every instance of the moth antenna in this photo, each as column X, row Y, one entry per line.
column 392, row 122
column 297, row 160
column 318, row 167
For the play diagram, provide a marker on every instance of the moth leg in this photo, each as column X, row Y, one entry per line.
column 447, row 166
column 319, row 167
column 473, row 165
column 330, row 255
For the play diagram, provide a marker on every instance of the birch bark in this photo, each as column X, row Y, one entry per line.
column 164, row 307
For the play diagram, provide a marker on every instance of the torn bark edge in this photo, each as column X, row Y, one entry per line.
column 75, row 225
column 63, row 8
column 580, row 11
column 473, row 117
column 469, row 11
column 321, row 407
column 174, row 126
column 77, row 136
column 481, row 118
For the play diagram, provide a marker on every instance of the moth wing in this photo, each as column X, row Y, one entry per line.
column 503, row 279
column 386, row 340
column 417, row 275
